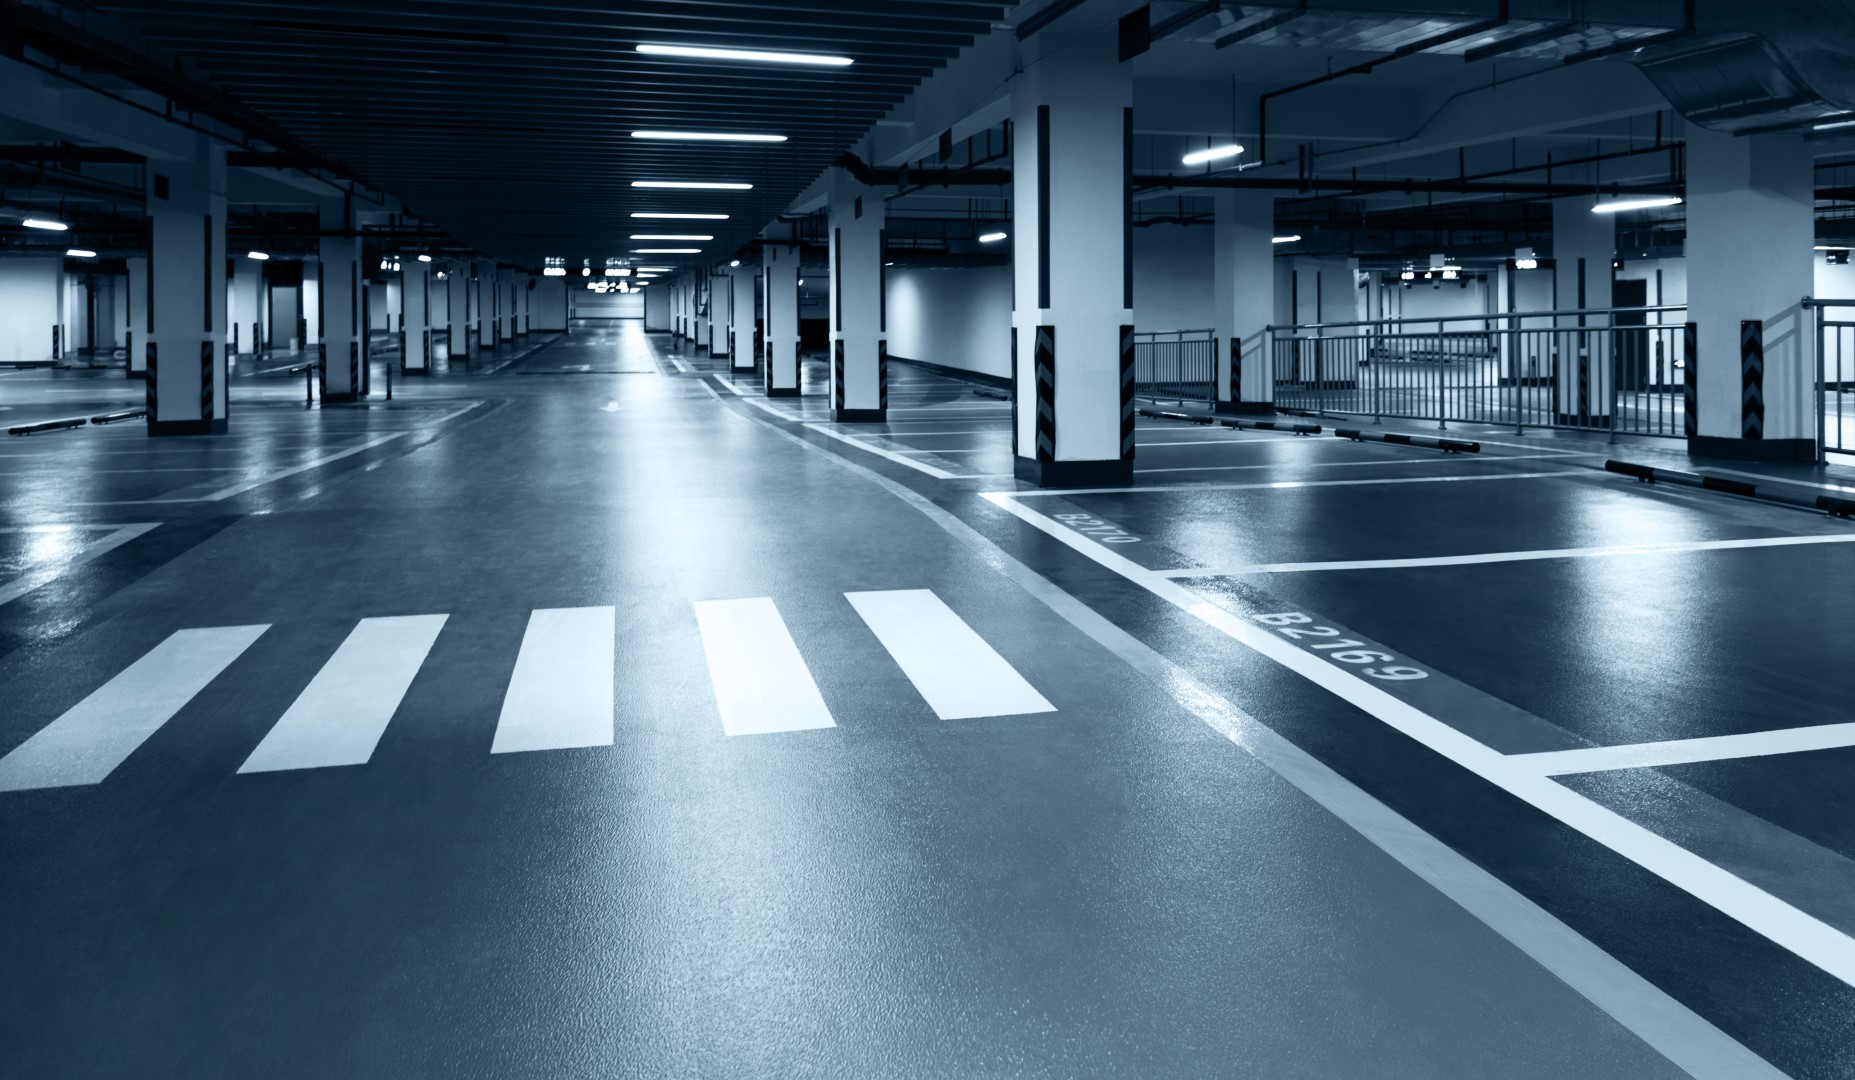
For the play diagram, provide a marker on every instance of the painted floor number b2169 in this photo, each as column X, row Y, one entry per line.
column 1345, row 651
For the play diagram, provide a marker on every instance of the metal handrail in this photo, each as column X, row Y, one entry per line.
column 1488, row 317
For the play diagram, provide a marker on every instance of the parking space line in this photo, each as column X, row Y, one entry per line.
column 1684, row 751
column 560, row 694
column 1285, row 485
column 1512, row 556
column 25, row 583
column 1787, row 926
column 760, row 680
column 900, row 459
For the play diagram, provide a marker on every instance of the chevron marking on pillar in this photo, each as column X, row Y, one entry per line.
column 206, row 380
column 1127, row 393
column 354, row 367
column 882, row 375
column 1014, row 391
column 1752, row 379
column 150, row 397
column 1584, row 381
column 837, row 373
column 1043, row 358
column 322, row 368
column 1236, row 368
column 1690, row 344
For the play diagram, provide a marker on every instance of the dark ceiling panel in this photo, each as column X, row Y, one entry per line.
column 509, row 124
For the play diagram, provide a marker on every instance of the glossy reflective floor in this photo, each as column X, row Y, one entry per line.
column 590, row 714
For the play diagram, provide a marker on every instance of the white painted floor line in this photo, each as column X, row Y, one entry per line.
column 1510, row 556
column 761, row 683
column 269, row 477
column 1768, row 479
column 900, row 459
column 94, row 736
column 957, row 450
column 1286, row 485
column 1803, row 934
column 1682, row 751
column 560, row 694
column 957, row 672
column 1002, row 433
column 339, row 718
column 25, row 583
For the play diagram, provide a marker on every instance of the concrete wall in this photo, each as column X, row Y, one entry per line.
column 954, row 317
column 28, row 307
column 1173, row 286
column 657, row 307
column 547, row 305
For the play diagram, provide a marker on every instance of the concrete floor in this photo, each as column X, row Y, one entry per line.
column 1185, row 841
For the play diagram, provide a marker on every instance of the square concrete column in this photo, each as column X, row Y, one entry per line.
column 859, row 330
column 781, row 265
column 704, row 311
column 187, row 320
column 415, row 327
column 136, row 347
column 742, row 283
column 505, row 307
column 340, row 305
column 1243, row 281
column 457, row 313
column 1584, row 249
column 244, row 298
column 483, row 299
column 1750, row 208
column 721, row 314
column 1073, row 370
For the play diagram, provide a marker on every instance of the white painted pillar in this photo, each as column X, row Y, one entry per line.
column 742, row 283
column 782, row 320
column 524, row 296
column 246, row 300
column 187, row 331
column 457, row 313
column 136, row 349
column 1243, row 280
column 721, row 313
column 505, row 307
column 483, row 289
column 312, row 318
column 1584, row 246
column 1072, row 123
column 415, row 329
column 859, row 339
column 1750, row 264
column 705, row 310
column 340, row 291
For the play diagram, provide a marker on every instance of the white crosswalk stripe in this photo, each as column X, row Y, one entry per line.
column 87, row 743
column 761, row 682
column 340, row 717
column 959, row 675
column 560, row 695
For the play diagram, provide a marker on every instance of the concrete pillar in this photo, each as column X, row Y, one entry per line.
column 524, row 296
column 486, row 306
column 415, row 327
column 741, row 283
column 1750, row 231
column 1243, row 280
column 340, row 314
column 457, row 313
column 505, row 308
column 1072, row 321
column 1584, row 245
column 705, row 311
column 721, row 313
column 187, row 320
column 782, row 320
column 859, row 336
column 247, row 302
column 136, row 348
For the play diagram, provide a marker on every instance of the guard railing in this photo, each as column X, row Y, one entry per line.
column 1176, row 365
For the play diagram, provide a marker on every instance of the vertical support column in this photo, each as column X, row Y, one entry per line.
column 483, row 295
column 721, row 313
column 1584, row 247
column 505, row 308
column 741, row 284
column 859, row 345
column 524, row 293
column 704, row 309
column 1750, row 222
column 340, row 314
column 782, row 320
column 457, row 313
column 1243, row 277
column 136, row 347
column 187, row 289
column 415, row 338
column 1072, row 125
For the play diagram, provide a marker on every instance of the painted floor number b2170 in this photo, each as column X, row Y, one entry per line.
column 1342, row 650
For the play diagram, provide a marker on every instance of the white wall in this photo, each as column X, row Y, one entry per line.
column 1173, row 286
column 1834, row 282
column 954, row 317
column 28, row 307
column 613, row 305
column 377, row 304
column 548, row 304
column 657, row 307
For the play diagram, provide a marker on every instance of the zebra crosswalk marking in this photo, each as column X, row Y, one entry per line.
column 761, row 682
column 560, row 695
column 960, row 676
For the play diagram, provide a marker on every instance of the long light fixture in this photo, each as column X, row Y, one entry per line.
column 45, row 223
column 1622, row 205
column 1211, row 153
column 1834, row 125
column 1830, row 247
column 554, row 271
column 1289, row 239
column 734, row 264
column 991, row 237
column 671, row 236
column 258, row 255
column 668, row 251
column 707, row 136
column 425, row 258
column 80, row 253
column 693, row 185
column 653, row 269
column 680, row 217
column 698, row 52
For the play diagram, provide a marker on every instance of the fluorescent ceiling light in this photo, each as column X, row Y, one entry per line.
column 618, row 271
column 668, row 251
column 425, row 258
column 699, row 53
column 696, row 185
column 1211, row 153
column 707, row 136
column 671, row 236
column 1832, row 247
column 81, row 253
column 1526, row 264
column 1834, row 125
column 1285, row 239
column 653, row 269
column 554, row 271
column 258, row 255
column 735, row 263
column 682, row 217
column 1650, row 203
column 647, row 275
column 44, row 223
column 991, row 237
